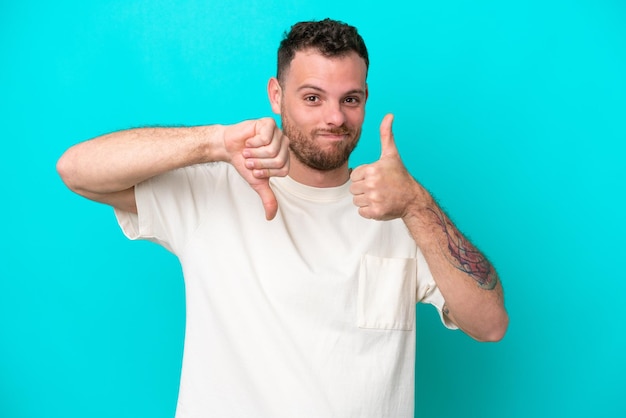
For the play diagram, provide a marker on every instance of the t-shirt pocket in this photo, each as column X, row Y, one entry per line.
column 386, row 297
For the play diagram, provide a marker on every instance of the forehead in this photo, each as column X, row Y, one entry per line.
column 309, row 67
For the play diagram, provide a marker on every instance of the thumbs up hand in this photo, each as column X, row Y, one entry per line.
column 385, row 190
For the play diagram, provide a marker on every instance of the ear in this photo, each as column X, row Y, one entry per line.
column 275, row 94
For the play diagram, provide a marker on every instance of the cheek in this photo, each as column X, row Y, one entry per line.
column 303, row 116
column 356, row 117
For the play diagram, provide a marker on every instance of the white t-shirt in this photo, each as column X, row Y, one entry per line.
column 311, row 314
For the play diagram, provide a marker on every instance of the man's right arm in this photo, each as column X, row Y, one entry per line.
column 107, row 168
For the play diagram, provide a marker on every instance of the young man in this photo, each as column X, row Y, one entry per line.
column 310, row 314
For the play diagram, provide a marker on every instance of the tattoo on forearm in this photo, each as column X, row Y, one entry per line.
column 464, row 256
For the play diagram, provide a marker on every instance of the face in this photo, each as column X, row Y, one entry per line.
column 322, row 106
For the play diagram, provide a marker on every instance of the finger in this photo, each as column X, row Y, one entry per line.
column 265, row 173
column 262, row 158
column 276, row 164
column 256, row 142
column 365, row 212
column 264, row 151
column 258, row 147
column 265, row 133
column 357, row 188
column 360, row 201
column 358, row 173
column 387, row 141
column 268, row 199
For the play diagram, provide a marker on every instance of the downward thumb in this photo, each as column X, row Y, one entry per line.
column 267, row 198
column 387, row 142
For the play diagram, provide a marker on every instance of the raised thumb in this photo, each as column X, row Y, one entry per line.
column 387, row 141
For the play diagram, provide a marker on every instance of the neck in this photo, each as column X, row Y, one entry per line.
column 315, row 178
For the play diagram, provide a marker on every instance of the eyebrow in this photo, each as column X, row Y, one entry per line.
column 316, row 88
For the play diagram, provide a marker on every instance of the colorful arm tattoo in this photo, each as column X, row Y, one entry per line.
column 464, row 256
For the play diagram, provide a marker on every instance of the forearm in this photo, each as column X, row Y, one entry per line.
column 385, row 190
column 120, row 160
column 466, row 278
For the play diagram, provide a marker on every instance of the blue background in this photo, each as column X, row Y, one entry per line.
column 512, row 113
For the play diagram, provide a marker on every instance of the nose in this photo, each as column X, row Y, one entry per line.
column 333, row 114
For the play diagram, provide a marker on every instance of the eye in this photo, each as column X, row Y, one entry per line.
column 312, row 99
column 354, row 101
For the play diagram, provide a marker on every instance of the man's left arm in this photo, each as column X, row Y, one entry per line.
column 469, row 283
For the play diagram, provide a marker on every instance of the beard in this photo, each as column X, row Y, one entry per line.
column 308, row 151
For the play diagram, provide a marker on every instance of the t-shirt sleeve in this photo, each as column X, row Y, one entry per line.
column 428, row 291
column 168, row 207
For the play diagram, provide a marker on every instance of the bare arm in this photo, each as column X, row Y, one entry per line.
column 107, row 168
column 469, row 283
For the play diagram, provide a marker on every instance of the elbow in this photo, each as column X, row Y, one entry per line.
column 66, row 170
column 496, row 331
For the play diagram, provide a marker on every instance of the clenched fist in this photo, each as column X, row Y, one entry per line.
column 258, row 150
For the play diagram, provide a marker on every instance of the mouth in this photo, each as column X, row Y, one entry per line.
column 333, row 136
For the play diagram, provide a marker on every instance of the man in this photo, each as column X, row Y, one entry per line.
column 311, row 312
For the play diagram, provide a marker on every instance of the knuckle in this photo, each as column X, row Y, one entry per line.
column 267, row 121
column 370, row 170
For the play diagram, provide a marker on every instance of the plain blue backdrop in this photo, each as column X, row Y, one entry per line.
column 512, row 113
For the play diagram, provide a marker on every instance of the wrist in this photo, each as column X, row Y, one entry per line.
column 421, row 211
column 212, row 144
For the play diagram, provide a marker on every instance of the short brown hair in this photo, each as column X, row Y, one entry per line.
column 330, row 37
